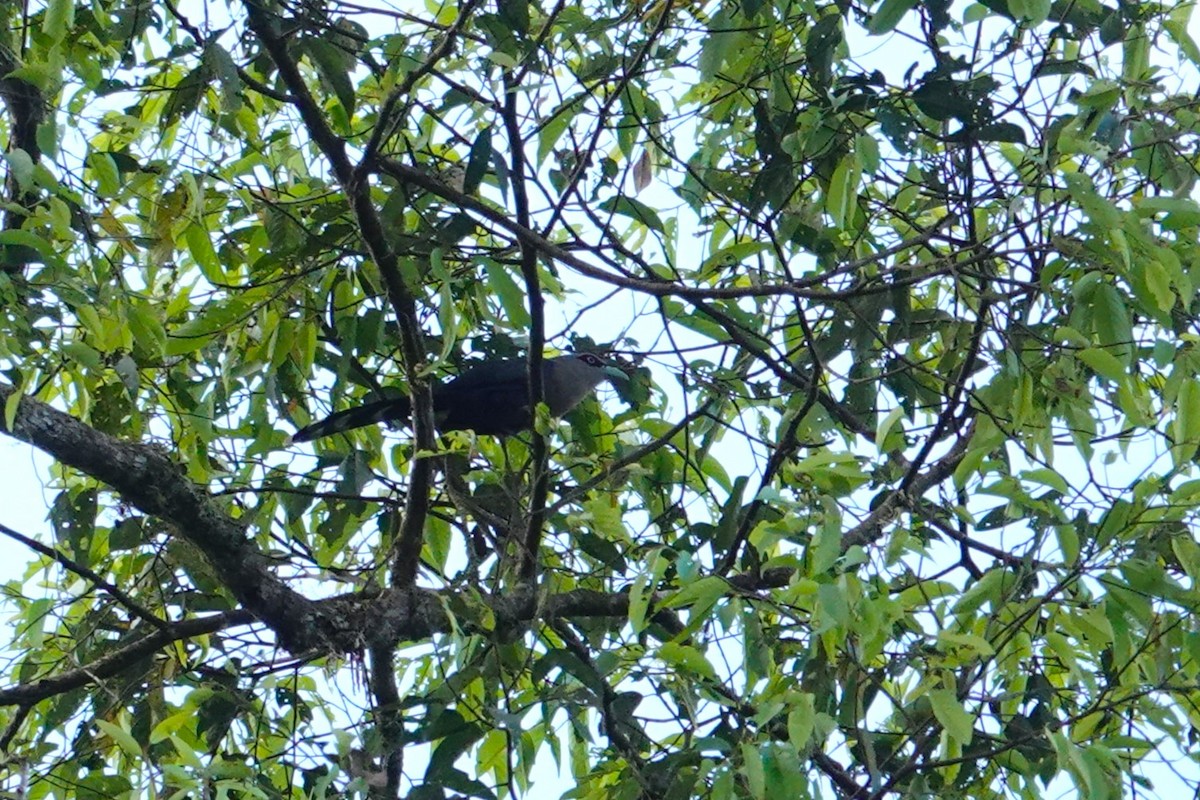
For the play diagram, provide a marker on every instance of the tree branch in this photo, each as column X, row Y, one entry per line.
column 355, row 183
column 148, row 480
column 121, row 597
column 120, row 659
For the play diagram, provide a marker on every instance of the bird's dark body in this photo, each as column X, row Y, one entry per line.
column 491, row 398
column 482, row 399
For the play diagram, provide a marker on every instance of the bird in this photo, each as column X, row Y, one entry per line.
column 490, row 398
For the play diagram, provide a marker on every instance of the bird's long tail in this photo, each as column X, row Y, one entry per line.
column 394, row 410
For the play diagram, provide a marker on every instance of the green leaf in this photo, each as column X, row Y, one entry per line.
column 987, row 589
column 1001, row 132
column 800, row 720
column 1183, row 209
column 559, row 119
column 1188, row 552
column 714, row 469
column 185, row 96
column 127, row 370
column 1068, row 542
column 635, row 210
column 831, row 599
column 888, row 15
column 200, row 246
column 1055, row 66
column 639, row 602
column 516, row 14
column 719, row 45
column 34, row 243
column 511, row 296
column 1034, row 12
column 752, row 769
column 477, row 162
column 21, row 164
column 187, row 753
column 943, row 99
column 1112, row 29
column 1103, row 363
column 121, row 737
column 85, row 355
column 687, row 658
column 1135, row 55
column 1185, row 428
column 108, row 177
column 446, row 308
column 334, row 68
column 59, row 19
column 1158, row 281
column 1047, row 477
column 126, row 535
column 729, row 257
column 218, row 62
column 952, row 716
column 824, row 548
column 843, row 191
column 11, row 404
column 196, row 332
column 1176, row 26
column 702, row 593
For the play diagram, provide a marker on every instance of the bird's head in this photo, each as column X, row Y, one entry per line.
column 608, row 368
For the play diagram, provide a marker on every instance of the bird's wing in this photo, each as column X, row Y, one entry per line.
column 491, row 398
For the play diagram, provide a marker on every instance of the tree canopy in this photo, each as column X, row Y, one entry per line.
column 899, row 498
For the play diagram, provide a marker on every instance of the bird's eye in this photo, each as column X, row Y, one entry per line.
column 591, row 360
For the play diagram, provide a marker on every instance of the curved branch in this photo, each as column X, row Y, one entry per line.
column 147, row 479
column 356, row 184
column 806, row 288
column 120, row 659
column 71, row 565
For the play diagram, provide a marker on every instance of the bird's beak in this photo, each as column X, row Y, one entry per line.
column 616, row 373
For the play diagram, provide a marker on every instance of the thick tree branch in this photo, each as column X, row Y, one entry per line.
column 871, row 528
column 147, row 479
column 151, row 482
column 387, row 715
